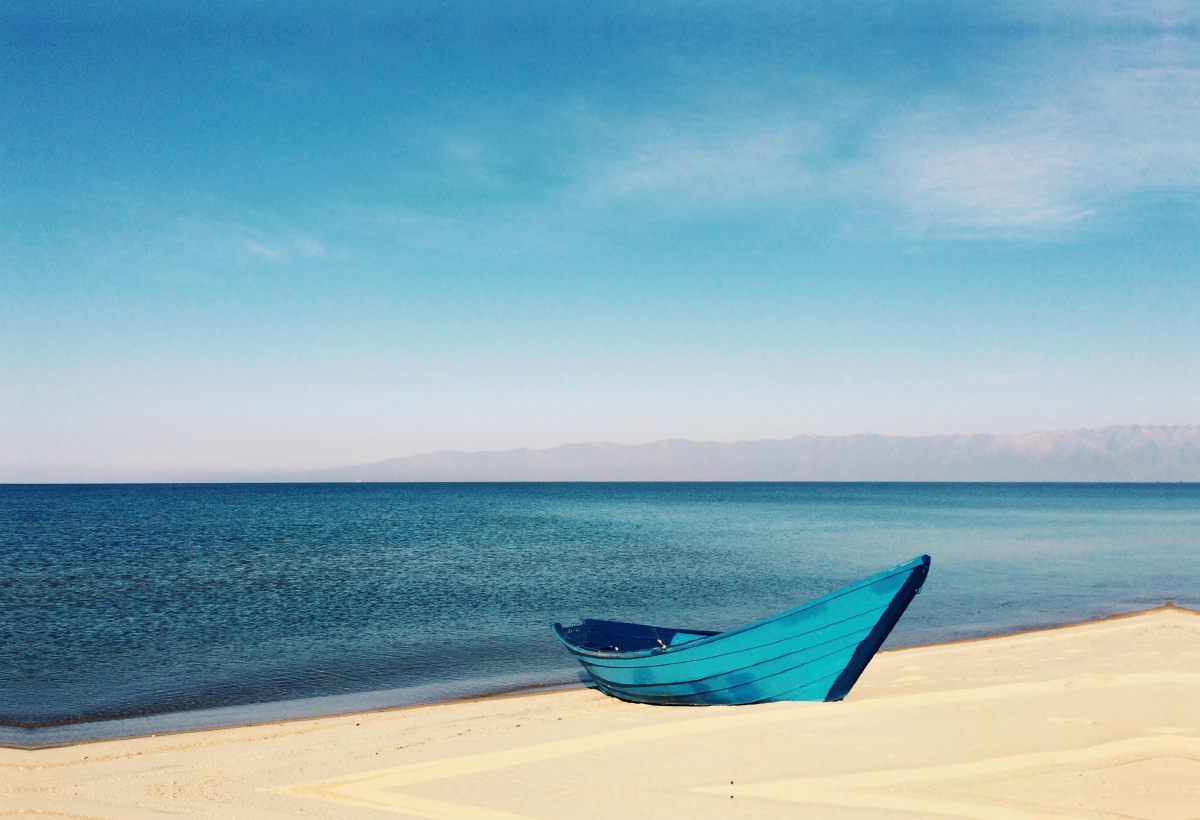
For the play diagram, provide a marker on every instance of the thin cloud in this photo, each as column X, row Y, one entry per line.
column 1059, row 152
column 263, row 251
column 1018, row 177
column 708, row 167
column 275, row 248
column 1053, row 140
column 1164, row 13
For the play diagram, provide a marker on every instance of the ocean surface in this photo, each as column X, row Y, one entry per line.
column 130, row 609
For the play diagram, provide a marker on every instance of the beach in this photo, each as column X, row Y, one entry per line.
column 1092, row 720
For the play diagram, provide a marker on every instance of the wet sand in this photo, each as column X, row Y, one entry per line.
column 1095, row 720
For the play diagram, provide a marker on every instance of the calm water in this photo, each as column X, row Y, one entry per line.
column 131, row 600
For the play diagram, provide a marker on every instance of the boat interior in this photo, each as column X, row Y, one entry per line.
column 616, row 636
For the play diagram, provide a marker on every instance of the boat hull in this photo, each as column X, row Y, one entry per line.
column 815, row 651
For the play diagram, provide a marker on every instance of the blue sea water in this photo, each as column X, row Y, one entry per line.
column 137, row 608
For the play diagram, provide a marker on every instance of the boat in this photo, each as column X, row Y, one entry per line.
column 815, row 651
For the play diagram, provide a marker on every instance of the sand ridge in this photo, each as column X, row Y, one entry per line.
column 1097, row 720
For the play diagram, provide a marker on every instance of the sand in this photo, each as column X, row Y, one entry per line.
column 1096, row 720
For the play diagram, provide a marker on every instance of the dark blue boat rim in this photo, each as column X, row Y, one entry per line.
column 867, row 649
column 779, row 665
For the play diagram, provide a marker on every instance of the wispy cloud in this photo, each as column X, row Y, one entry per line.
column 1061, row 148
column 1056, row 139
column 175, row 240
column 263, row 251
column 279, row 247
column 1166, row 13
column 709, row 166
column 1003, row 178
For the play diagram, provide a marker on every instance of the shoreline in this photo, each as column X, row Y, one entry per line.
column 1078, row 721
column 491, row 695
column 502, row 694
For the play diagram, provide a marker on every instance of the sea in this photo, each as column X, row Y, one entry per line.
column 138, row 609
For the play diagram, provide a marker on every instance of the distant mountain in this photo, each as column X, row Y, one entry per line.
column 1134, row 452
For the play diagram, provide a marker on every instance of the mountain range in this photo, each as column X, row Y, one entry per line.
column 1134, row 452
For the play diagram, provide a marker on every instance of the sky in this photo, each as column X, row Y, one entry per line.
column 269, row 237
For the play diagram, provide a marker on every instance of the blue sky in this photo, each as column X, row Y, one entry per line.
column 253, row 239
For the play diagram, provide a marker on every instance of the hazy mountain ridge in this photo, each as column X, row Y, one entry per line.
column 1135, row 452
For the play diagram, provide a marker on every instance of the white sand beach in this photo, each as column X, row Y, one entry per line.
column 1090, row 721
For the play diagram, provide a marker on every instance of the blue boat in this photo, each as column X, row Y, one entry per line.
column 816, row 651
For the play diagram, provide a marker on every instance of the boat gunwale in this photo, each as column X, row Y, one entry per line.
column 789, row 637
column 907, row 566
